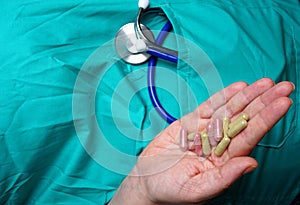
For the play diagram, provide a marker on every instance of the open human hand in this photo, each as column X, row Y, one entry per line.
column 166, row 174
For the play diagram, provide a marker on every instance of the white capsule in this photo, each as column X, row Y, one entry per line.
column 213, row 142
column 210, row 129
column 183, row 142
column 218, row 129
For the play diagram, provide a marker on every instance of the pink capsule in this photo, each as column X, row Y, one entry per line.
column 197, row 140
column 210, row 129
column 218, row 129
column 183, row 142
column 197, row 144
column 211, row 133
column 191, row 145
column 212, row 141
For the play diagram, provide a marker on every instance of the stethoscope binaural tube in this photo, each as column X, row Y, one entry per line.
column 152, row 48
column 151, row 76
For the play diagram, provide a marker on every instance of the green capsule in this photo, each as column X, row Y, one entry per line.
column 191, row 136
column 221, row 147
column 237, row 128
column 243, row 116
column 226, row 122
column 205, row 143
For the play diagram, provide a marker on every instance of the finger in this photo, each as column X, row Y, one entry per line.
column 258, row 126
column 191, row 121
column 206, row 109
column 239, row 101
column 235, row 168
column 281, row 89
column 213, row 182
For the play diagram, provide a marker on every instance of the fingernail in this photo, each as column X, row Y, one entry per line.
column 294, row 87
column 249, row 169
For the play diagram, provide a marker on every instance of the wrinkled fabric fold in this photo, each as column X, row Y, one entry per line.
column 50, row 47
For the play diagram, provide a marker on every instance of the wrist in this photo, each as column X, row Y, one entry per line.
column 131, row 192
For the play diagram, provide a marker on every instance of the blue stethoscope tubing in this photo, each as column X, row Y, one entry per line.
column 151, row 73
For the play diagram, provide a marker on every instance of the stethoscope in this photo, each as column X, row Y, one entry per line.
column 135, row 44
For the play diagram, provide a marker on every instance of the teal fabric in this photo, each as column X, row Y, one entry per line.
column 47, row 125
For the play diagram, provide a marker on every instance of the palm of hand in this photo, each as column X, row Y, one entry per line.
column 166, row 174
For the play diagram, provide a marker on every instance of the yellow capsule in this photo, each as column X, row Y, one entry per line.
column 237, row 128
column 191, row 136
column 243, row 116
column 221, row 147
column 205, row 143
column 226, row 122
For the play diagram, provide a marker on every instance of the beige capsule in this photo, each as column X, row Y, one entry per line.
column 226, row 122
column 221, row 147
column 191, row 136
column 205, row 143
column 237, row 128
column 243, row 116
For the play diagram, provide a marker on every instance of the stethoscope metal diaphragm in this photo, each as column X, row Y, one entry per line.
column 129, row 47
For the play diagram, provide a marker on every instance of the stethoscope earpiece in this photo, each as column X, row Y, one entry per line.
column 143, row 4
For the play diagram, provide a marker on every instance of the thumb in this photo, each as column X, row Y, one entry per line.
column 220, row 178
column 235, row 168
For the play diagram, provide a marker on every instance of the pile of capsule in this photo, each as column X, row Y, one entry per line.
column 219, row 134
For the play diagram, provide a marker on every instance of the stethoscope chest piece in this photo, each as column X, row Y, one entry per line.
column 131, row 49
